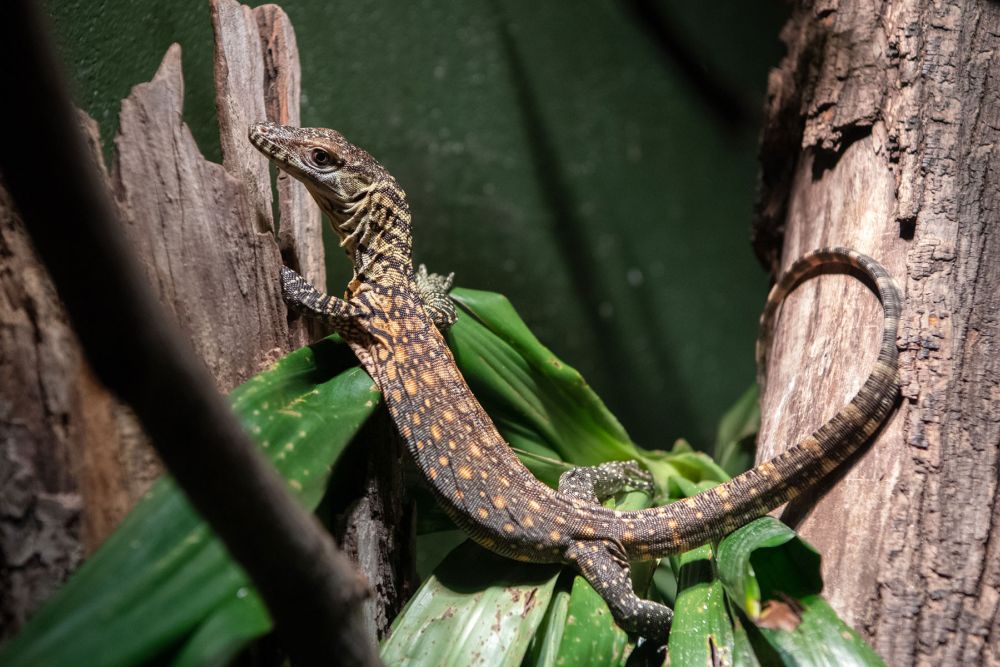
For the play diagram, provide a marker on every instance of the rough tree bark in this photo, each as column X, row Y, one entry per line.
column 883, row 133
column 70, row 455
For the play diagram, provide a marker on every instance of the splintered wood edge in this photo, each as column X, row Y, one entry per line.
column 239, row 101
column 300, row 237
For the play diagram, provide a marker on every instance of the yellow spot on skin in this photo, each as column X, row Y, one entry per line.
column 560, row 521
column 432, row 473
column 672, row 524
column 420, row 444
column 410, row 385
column 528, row 522
column 475, row 450
column 465, row 472
column 416, row 418
column 499, row 502
column 534, row 505
column 483, row 513
column 504, row 482
column 443, row 460
column 628, row 535
column 397, row 395
column 448, row 415
column 588, row 531
column 435, row 431
column 405, row 431
column 383, row 354
column 722, row 492
column 555, row 535
column 508, row 527
column 390, row 372
column 699, row 515
column 459, row 494
column 452, row 445
column 726, row 507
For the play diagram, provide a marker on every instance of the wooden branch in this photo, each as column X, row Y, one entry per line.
column 309, row 586
column 889, row 116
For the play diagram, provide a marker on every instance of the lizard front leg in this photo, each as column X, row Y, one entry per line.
column 302, row 297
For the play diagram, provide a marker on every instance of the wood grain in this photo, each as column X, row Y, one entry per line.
column 883, row 133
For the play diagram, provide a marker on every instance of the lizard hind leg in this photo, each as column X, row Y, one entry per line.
column 433, row 288
column 606, row 569
column 598, row 483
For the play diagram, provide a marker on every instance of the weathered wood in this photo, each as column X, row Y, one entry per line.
column 77, row 457
column 299, row 235
column 63, row 437
column 40, row 369
column 193, row 225
column 239, row 101
column 882, row 134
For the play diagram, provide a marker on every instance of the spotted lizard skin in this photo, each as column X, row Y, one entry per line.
column 388, row 319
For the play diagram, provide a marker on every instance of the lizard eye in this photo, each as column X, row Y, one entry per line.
column 321, row 157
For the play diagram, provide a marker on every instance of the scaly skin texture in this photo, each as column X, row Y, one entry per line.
column 484, row 488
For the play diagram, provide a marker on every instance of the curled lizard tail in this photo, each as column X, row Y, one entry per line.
column 696, row 520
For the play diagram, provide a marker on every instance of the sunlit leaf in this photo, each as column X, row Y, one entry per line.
column 477, row 608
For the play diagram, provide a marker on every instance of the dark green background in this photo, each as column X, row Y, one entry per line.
column 553, row 151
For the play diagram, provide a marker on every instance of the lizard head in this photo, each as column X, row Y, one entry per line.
column 340, row 176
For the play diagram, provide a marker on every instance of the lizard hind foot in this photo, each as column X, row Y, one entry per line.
column 598, row 483
column 433, row 288
column 610, row 576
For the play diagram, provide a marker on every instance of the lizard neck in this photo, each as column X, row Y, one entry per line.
column 380, row 247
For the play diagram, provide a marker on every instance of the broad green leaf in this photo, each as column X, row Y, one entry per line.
column 774, row 576
column 540, row 404
column 764, row 559
column 222, row 635
column 543, row 651
column 703, row 632
column 591, row 636
column 820, row 638
column 477, row 608
column 163, row 573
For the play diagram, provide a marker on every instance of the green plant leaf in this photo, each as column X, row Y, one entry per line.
column 773, row 575
column 703, row 631
column 162, row 574
column 540, row 404
column 477, row 608
column 543, row 651
column 221, row 636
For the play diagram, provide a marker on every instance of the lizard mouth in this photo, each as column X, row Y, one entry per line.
column 260, row 135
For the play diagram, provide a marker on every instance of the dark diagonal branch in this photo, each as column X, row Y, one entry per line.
column 310, row 588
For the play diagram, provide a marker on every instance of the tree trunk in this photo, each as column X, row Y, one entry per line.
column 883, row 134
